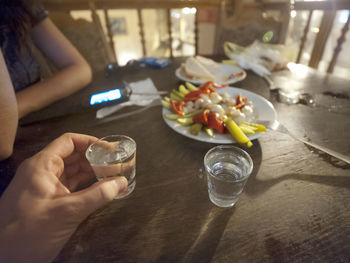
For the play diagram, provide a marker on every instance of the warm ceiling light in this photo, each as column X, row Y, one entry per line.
column 293, row 13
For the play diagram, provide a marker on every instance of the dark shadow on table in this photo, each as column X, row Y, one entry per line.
column 255, row 186
column 108, row 237
column 258, row 187
column 203, row 248
column 256, row 153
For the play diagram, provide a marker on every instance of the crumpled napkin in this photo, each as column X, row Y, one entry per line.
column 247, row 61
column 142, row 86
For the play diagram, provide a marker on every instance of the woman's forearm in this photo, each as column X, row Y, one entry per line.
column 8, row 112
column 62, row 84
column 75, row 73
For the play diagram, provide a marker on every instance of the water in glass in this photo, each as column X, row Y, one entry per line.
column 228, row 169
column 114, row 158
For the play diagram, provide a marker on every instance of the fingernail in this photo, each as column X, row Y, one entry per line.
column 121, row 182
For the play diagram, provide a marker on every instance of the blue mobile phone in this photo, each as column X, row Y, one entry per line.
column 155, row 62
column 105, row 98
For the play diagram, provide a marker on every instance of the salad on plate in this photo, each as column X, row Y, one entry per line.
column 205, row 109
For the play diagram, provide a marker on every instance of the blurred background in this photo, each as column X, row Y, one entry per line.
column 315, row 32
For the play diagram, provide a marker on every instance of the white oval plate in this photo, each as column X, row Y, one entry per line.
column 264, row 110
column 227, row 70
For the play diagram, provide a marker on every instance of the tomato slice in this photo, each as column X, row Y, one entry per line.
column 178, row 107
column 193, row 94
column 240, row 101
column 207, row 88
column 215, row 122
column 192, row 99
column 201, row 117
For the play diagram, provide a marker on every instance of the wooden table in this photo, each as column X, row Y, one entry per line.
column 295, row 206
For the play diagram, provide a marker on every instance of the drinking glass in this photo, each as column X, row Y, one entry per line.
column 227, row 169
column 112, row 156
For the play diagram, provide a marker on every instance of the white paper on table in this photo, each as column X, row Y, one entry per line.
column 142, row 86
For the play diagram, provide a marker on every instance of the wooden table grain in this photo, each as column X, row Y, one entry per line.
column 295, row 206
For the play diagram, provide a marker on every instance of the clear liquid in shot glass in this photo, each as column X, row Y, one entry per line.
column 113, row 159
column 227, row 181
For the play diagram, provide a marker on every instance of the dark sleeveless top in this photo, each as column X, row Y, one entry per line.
column 23, row 68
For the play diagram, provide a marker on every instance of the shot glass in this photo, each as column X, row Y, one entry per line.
column 113, row 156
column 227, row 169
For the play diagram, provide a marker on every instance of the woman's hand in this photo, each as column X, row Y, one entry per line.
column 40, row 210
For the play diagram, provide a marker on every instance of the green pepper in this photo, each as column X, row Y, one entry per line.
column 258, row 127
column 166, row 104
column 183, row 90
column 190, row 86
column 196, row 128
column 171, row 116
column 247, row 130
column 184, row 121
column 237, row 133
column 209, row 131
column 192, row 113
column 174, row 97
column 178, row 94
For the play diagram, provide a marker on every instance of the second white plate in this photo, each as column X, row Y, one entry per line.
column 236, row 73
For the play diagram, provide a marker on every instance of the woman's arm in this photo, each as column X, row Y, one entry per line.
column 74, row 72
column 8, row 112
